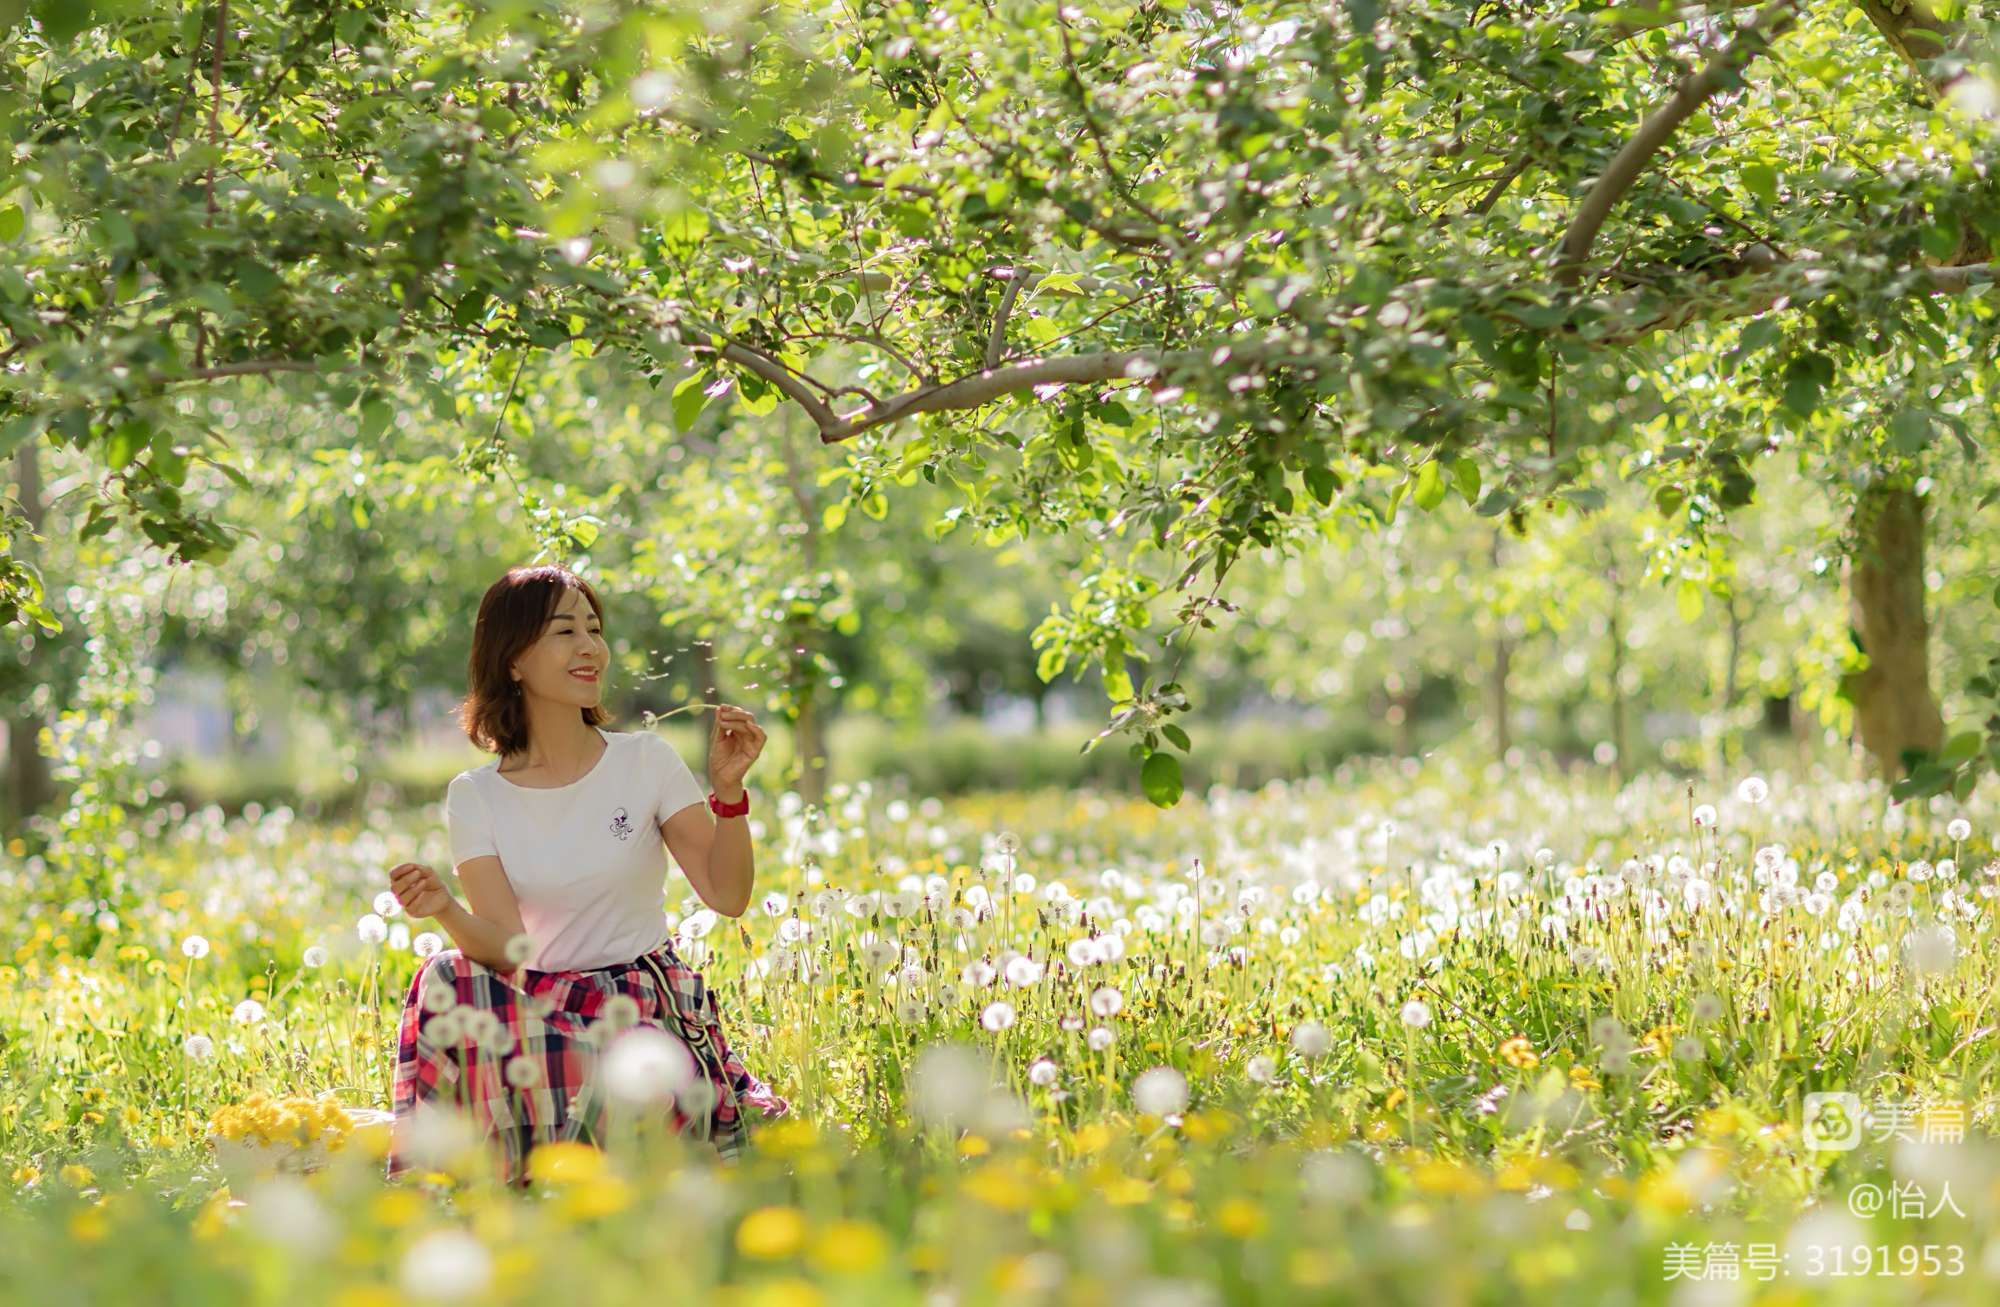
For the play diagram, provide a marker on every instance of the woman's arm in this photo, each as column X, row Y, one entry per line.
column 495, row 918
column 714, row 853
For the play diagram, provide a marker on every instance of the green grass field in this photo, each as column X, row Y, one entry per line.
column 1393, row 1036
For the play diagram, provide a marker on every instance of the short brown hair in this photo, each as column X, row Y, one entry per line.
column 511, row 617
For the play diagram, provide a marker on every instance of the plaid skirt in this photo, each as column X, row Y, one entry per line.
column 520, row 1053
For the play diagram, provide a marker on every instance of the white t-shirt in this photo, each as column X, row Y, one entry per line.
column 586, row 860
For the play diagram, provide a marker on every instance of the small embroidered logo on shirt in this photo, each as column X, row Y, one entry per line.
column 620, row 825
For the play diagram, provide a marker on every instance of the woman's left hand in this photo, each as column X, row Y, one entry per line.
column 734, row 742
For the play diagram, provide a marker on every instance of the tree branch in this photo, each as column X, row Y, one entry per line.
column 1096, row 133
column 1694, row 91
column 214, row 140
column 1917, row 34
column 978, row 389
column 996, row 340
column 1624, row 29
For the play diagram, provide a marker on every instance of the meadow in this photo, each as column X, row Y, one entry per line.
column 1401, row 1033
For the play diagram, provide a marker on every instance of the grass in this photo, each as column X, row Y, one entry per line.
column 1450, row 1036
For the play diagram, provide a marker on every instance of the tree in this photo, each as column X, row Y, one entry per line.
column 1165, row 274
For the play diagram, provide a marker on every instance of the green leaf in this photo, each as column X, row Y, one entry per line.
column 1429, row 492
column 1961, row 747
column 1761, row 180
column 376, row 414
column 688, row 401
column 126, row 441
column 1322, row 482
column 1688, row 600
column 233, row 473
column 1465, row 475
column 13, row 221
column 257, row 281
column 833, row 515
column 1910, row 430
column 1177, row 735
column 1117, row 681
column 1160, row 777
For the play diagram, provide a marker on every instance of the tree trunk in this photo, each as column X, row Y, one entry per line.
column 1732, row 658
column 1496, row 681
column 707, row 683
column 1894, row 709
column 1617, row 632
column 808, row 728
column 809, row 739
column 28, row 785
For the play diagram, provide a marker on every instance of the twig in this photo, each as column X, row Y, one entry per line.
column 996, row 340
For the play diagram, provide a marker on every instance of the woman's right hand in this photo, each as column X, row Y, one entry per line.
column 419, row 890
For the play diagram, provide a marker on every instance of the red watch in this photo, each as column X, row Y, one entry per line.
column 736, row 809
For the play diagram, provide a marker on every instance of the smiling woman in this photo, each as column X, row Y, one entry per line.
column 559, row 843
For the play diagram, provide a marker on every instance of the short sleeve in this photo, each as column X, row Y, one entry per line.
column 466, row 819
column 674, row 785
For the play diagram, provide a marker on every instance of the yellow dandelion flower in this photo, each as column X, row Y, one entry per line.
column 567, row 1162
column 1519, row 1052
column 604, row 1196
column 76, row 1175
column 1239, row 1218
column 771, row 1232
column 395, row 1208
column 998, row 1184
column 788, row 1291
column 1311, row 1268
column 850, row 1248
column 87, row 1225
column 787, row 1138
column 1092, row 1138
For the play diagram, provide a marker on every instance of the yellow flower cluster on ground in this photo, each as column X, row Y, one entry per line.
column 289, row 1120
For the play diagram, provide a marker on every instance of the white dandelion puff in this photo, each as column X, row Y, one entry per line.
column 447, row 1264
column 1160, row 1090
column 1311, row 1039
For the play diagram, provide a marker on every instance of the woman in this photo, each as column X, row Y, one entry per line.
column 565, row 943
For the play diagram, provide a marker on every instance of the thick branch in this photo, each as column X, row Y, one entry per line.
column 1695, row 90
column 1917, row 34
column 254, row 368
column 1626, row 28
column 978, row 389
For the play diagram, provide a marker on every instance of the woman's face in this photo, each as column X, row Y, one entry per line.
column 572, row 640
